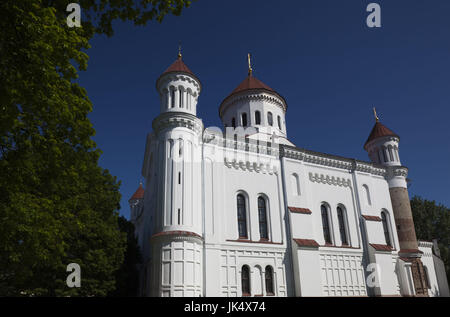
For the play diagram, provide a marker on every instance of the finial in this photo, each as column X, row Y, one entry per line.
column 250, row 70
column 179, row 50
column 375, row 114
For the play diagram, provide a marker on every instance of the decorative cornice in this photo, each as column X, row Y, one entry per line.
column 331, row 160
column 398, row 171
column 264, row 168
column 256, row 95
column 326, row 179
column 177, row 235
column 174, row 119
column 173, row 76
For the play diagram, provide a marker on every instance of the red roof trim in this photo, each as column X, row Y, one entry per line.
column 176, row 233
column 381, row 247
column 300, row 210
column 306, row 243
column 410, row 251
column 371, row 218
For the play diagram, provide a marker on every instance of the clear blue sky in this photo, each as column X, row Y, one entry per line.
column 320, row 55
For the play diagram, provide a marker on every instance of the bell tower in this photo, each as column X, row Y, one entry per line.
column 383, row 148
column 177, row 239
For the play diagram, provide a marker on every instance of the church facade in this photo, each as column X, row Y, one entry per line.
column 243, row 211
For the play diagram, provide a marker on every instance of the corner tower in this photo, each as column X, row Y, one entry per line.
column 383, row 148
column 177, row 239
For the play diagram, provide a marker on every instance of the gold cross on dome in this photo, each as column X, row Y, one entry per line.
column 375, row 114
column 250, row 70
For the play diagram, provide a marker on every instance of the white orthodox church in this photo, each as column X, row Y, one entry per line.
column 243, row 211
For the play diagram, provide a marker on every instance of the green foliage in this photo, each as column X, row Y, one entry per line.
column 432, row 221
column 127, row 277
column 57, row 206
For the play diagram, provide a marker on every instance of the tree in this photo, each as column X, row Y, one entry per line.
column 57, row 205
column 432, row 221
column 127, row 277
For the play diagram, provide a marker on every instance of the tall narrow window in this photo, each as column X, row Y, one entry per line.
column 384, row 154
column 279, row 122
column 270, row 119
column 366, row 190
column 262, row 212
column 179, row 216
column 181, row 98
column 179, row 177
column 244, row 119
column 233, row 123
column 242, row 217
column 188, row 100
column 391, row 155
column 269, row 280
column 379, row 156
column 295, row 184
column 245, row 280
column 427, row 277
column 257, row 117
column 172, row 98
column 385, row 222
column 325, row 225
column 342, row 225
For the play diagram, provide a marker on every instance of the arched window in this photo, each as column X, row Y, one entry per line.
column 172, row 98
column 257, row 117
column 262, row 214
column 391, row 155
column 427, row 277
column 279, row 122
column 379, row 156
column 245, row 280
column 385, row 221
column 242, row 216
column 342, row 225
column 181, row 98
column 188, row 99
column 244, row 119
column 295, row 184
column 233, row 123
column 384, row 154
column 270, row 119
column 269, row 280
column 366, row 190
column 326, row 224
column 396, row 154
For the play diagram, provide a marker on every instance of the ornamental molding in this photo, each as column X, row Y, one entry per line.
column 398, row 171
column 165, row 79
column 258, row 167
column 349, row 165
column 248, row 145
column 176, row 236
column 377, row 143
column 175, row 119
column 330, row 180
column 247, row 96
